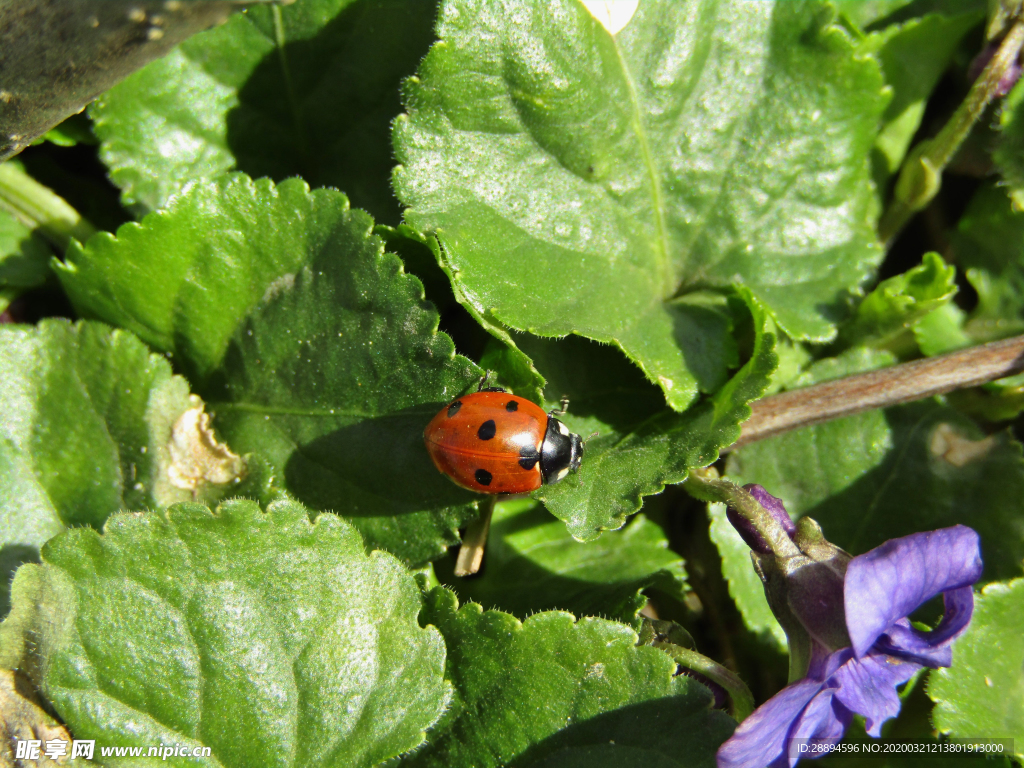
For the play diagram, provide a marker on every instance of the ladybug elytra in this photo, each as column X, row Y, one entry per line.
column 491, row 441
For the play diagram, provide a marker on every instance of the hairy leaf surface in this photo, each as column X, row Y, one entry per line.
column 554, row 691
column 273, row 640
column 87, row 421
column 312, row 345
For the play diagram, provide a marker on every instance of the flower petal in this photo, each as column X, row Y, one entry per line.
column 931, row 648
column 891, row 581
column 867, row 687
column 760, row 739
column 819, row 723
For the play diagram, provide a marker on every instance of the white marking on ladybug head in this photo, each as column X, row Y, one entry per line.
column 563, row 429
column 562, row 473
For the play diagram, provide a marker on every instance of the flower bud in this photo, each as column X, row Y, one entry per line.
column 751, row 537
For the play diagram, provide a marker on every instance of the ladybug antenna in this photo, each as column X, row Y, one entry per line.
column 590, row 437
column 481, row 387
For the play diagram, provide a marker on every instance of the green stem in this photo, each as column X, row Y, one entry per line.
column 921, row 176
column 704, row 484
column 741, row 700
column 41, row 209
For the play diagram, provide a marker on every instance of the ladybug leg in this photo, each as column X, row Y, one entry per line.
column 564, row 406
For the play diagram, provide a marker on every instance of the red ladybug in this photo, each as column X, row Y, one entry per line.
column 493, row 442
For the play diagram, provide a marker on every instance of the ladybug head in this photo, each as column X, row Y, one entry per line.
column 561, row 452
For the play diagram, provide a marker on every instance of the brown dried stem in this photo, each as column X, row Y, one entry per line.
column 897, row 384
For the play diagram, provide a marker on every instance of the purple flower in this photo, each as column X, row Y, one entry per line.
column 879, row 590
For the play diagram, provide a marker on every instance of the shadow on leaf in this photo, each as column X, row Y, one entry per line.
column 322, row 107
column 374, row 467
column 657, row 732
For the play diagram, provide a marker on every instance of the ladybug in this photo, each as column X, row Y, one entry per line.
column 491, row 441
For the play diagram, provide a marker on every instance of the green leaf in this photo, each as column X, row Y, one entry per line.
column 185, row 278
column 989, row 243
column 308, row 89
column 899, row 302
column 533, row 564
column 709, row 142
column 76, row 129
column 513, row 368
column 793, row 356
column 270, row 639
column 91, row 423
column 866, row 12
column 989, row 248
column 552, row 691
column 1009, row 153
column 641, row 446
column 24, row 259
column 982, row 694
column 914, row 55
column 942, row 331
column 312, row 345
column 884, row 474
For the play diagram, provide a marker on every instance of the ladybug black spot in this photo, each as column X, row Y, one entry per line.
column 528, row 457
column 483, row 477
column 454, row 408
column 487, row 430
column 511, row 406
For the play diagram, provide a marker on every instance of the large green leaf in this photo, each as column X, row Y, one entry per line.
column 584, row 183
column 641, row 446
column 185, row 278
column 312, row 345
column 501, row 355
column 309, row 89
column 533, row 564
column 272, row 640
column 982, row 694
column 884, row 474
column 552, row 691
column 91, row 423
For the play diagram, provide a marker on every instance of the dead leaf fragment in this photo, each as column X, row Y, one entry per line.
column 22, row 719
column 956, row 448
column 197, row 458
